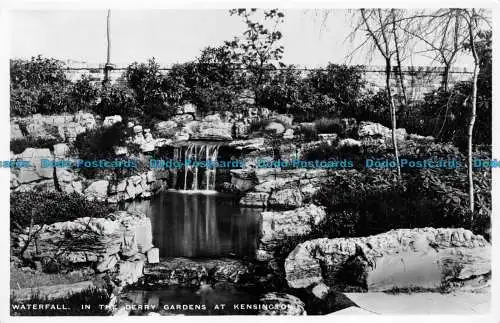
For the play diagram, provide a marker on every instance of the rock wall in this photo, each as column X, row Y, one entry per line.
column 425, row 258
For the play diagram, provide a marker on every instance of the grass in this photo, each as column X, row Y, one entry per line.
column 25, row 277
column 92, row 297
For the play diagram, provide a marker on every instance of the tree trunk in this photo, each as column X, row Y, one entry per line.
column 393, row 113
column 446, row 76
column 108, row 48
column 470, row 129
column 469, row 136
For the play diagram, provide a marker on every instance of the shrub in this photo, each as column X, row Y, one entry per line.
column 17, row 146
column 116, row 99
column 51, row 207
column 38, row 86
column 327, row 125
column 309, row 131
column 99, row 144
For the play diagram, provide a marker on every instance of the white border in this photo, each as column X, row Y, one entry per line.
column 8, row 5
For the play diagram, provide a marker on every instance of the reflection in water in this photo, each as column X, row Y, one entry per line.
column 197, row 225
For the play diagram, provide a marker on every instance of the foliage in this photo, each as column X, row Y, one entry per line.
column 99, row 143
column 93, row 296
column 146, row 82
column 17, row 146
column 259, row 51
column 50, row 207
column 116, row 99
column 38, row 86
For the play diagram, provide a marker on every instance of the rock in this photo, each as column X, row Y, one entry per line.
column 349, row 142
column 106, row 263
column 98, row 190
column 372, row 129
column 406, row 258
column 61, row 150
column 189, row 108
column 421, row 139
column 129, row 272
column 275, row 128
column 137, row 129
column 120, row 150
column 277, row 227
column 15, row 132
column 35, row 172
column 321, row 291
column 211, row 128
column 288, row 134
column 111, row 120
column 243, row 179
column 248, row 145
column 166, row 128
column 286, row 198
column 254, row 199
column 281, row 304
column 328, row 137
column 153, row 255
column 241, row 130
column 182, row 118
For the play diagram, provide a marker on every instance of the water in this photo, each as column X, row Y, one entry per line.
column 195, row 302
column 199, row 225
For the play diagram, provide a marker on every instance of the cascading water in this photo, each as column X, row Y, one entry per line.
column 194, row 154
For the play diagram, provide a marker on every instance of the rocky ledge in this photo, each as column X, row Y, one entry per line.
column 427, row 258
column 119, row 245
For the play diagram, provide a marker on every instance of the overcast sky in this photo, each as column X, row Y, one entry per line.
column 173, row 36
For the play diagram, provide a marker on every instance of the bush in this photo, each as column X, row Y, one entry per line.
column 51, row 207
column 426, row 197
column 327, row 125
column 38, row 86
column 17, row 146
column 116, row 99
column 98, row 144
column 95, row 297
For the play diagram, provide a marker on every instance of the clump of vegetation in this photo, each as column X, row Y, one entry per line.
column 32, row 208
column 17, row 146
column 91, row 296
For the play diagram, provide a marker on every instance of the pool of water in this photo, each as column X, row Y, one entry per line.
column 187, row 301
column 199, row 225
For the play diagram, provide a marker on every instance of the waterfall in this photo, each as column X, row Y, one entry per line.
column 194, row 154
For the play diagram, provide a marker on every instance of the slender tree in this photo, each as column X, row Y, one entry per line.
column 107, row 67
column 377, row 23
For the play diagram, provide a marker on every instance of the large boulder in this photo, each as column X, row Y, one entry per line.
column 372, row 129
column 98, row 190
column 275, row 128
column 91, row 240
column 212, row 128
column 277, row 228
column 287, row 198
column 34, row 172
column 166, row 128
column 425, row 258
column 254, row 199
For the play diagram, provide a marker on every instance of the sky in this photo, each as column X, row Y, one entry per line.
column 176, row 36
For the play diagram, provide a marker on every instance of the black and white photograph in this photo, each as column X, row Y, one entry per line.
column 249, row 161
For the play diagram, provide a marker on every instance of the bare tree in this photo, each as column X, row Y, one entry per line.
column 442, row 33
column 378, row 24
column 473, row 19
